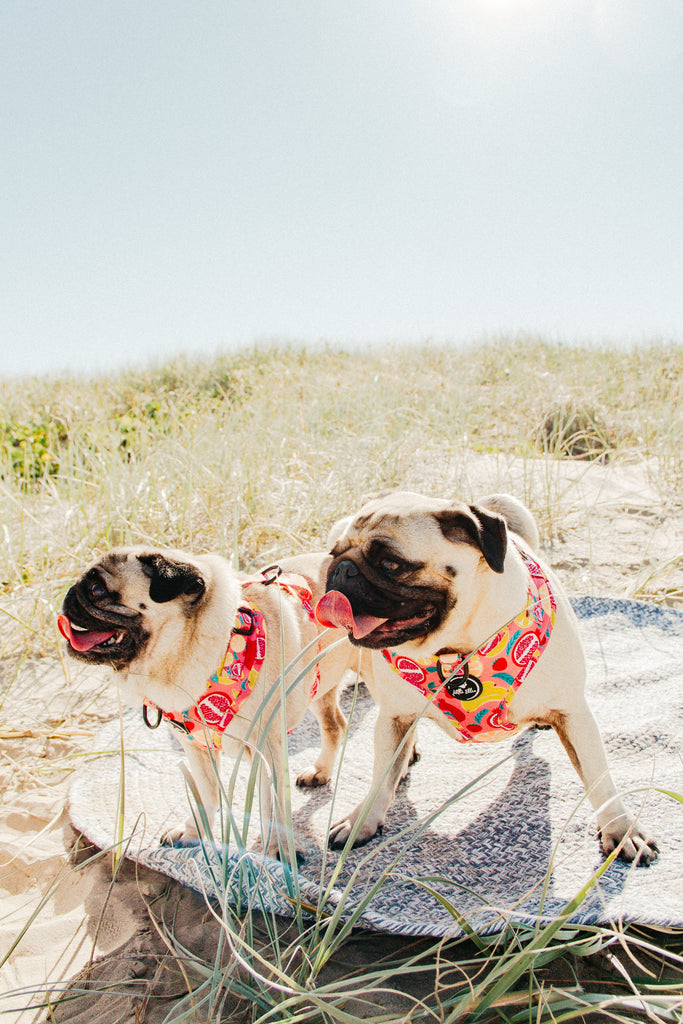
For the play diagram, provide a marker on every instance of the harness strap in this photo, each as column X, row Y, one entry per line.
column 297, row 586
column 208, row 718
column 474, row 691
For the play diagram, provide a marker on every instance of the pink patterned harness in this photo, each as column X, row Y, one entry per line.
column 206, row 720
column 475, row 691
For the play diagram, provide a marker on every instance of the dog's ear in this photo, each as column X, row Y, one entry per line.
column 169, row 579
column 484, row 529
column 492, row 536
column 337, row 531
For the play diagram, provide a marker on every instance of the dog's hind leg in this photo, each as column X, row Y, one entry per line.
column 278, row 838
column 332, row 727
column 581, row 738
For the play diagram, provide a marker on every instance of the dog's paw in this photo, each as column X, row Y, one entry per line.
column 182, row 836
column 636, row 845
column 283, row 854
column 283, row 845
column 313, row 777
column 340, row 832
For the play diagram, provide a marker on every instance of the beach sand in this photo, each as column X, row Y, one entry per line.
column 613, row 535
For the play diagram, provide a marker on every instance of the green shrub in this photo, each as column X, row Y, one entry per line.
column 32, row 450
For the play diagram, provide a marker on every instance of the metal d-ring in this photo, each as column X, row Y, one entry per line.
column 460, row 684
column 461, row 675
column 145, row 717
column 270, row 574
column 246, row 613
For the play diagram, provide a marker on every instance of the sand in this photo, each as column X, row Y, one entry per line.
column 614, row 535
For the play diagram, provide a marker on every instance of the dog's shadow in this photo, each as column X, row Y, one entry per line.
column 501, row 858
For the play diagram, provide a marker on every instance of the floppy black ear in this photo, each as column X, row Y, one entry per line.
column 478, row 526
column 169, row 579
column 492, row 536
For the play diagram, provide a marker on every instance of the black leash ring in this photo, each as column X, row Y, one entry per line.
column 145, row 717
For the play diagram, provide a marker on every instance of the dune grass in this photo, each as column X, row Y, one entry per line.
column 254, row 456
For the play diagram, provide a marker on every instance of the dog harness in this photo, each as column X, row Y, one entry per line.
column 474, row 691
column 235, row 678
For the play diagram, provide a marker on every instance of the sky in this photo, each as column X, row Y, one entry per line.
column 201, row 176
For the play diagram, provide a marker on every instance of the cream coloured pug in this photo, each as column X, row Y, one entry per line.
column 468, row 627
column 195, row 644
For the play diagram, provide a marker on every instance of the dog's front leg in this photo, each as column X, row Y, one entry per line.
column 273, row 801
column 203, row 767
column 394, row 752
column 581, row 738
column 271, row 780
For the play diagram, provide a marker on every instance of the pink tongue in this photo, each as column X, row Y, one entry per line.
column 334, row 609
column 80, row 641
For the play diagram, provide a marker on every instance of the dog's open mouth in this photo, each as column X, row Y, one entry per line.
column 86, row 640
column 334, row 610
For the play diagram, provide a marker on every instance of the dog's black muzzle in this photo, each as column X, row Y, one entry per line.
column 365, row 596
column 81, row 607
column 86, row 612
column 384, row 598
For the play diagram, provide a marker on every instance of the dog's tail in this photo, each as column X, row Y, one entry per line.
column 517, row 516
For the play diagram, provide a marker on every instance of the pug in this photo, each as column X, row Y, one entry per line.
column 469, row 628
column 194, row 644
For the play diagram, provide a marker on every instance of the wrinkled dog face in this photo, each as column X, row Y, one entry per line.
column 109, row 615
column 399, row 563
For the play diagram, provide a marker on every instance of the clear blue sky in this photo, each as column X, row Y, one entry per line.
column 188, row 176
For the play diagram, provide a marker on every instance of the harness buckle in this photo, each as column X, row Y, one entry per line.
column 246, row 613
column 145, row 717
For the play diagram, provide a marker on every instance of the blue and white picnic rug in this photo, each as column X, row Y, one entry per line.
column 515, row 848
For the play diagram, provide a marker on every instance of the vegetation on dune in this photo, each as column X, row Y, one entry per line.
column 255, row 455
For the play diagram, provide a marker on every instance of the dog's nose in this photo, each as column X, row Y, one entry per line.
column 344, row 571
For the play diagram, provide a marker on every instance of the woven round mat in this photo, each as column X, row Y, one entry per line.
column 516, row 845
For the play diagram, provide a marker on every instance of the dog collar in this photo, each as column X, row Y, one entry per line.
column 474, row 691
column 206, row 720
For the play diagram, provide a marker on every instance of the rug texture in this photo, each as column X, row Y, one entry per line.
column 479, row 836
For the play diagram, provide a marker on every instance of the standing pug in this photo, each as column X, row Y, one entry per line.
column 468, row 628
column 196, row 645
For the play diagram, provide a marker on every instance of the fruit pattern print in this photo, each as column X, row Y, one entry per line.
column 475, row 691
column 208, row 718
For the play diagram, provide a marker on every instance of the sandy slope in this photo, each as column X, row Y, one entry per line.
column 613, row 534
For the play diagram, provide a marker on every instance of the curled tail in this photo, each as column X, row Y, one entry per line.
column 517, row 516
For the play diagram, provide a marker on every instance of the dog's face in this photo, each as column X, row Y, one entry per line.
column 402, row 564
column 123, row 601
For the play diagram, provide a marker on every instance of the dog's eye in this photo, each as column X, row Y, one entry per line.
column 97, row 590
column 389, row 565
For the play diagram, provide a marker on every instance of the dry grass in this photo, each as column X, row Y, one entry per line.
column 254, row 456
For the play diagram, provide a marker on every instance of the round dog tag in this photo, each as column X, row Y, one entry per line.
column 463, row 687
